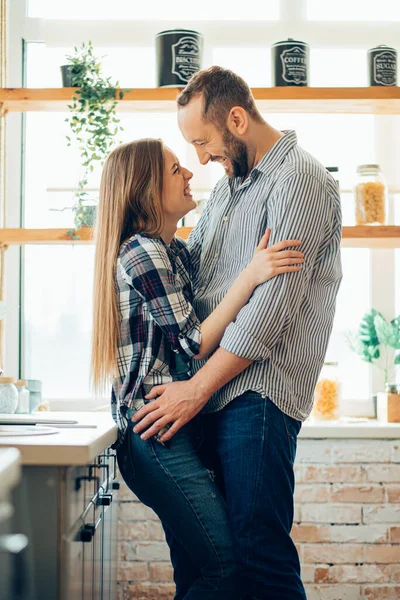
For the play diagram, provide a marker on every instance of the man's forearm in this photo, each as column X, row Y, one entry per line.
column 218, row 370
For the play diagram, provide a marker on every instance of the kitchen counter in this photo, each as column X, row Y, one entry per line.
column 350, row 428
column 69, row 446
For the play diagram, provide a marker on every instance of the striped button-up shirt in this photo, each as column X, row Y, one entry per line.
column 286, row 325
column 157, row 320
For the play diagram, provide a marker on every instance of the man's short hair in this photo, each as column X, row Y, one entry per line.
column 221, row 89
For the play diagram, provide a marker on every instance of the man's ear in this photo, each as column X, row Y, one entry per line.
column 238, row 121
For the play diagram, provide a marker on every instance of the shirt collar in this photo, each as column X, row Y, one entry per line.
column 275, row 155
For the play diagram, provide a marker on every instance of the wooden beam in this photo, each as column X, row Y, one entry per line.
column 368, row 100
column 387, row 236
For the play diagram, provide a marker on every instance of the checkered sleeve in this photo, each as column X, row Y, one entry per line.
column 146, row 266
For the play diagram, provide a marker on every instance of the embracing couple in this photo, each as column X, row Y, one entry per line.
column 215, row 346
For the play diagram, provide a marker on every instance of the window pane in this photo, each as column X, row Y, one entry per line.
column 57, row 318
column 338, row 67
column 253, row 64
column 132, row 67
column 154, row 10
column 52, row 169
column 352, row 303
column 363, row 10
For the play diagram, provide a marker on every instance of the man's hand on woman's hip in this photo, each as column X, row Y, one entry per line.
column 175, row 403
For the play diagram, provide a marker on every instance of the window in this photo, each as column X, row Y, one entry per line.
column 155, row 10
column 57, row 295
column 362, row 10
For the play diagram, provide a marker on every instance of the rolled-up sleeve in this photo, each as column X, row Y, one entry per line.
column 147, row 268
column 299, row 210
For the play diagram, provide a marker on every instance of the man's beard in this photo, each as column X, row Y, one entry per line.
column 237, row 154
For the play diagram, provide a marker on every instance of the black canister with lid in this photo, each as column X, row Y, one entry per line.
column 382, row 66
column 178, row 55
column 290, row 63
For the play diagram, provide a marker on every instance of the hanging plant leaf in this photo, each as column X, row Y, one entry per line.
column 92, row 113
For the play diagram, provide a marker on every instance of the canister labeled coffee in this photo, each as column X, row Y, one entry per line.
column 179, row 55
column 290, row 63
column 382, row 66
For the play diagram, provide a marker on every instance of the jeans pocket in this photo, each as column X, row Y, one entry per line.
column 125, row 460
column 292, row 428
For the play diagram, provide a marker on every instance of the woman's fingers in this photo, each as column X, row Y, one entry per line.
column 280, row 270
column 288, row 261
column 264, row 240
column 288, row 254
column 284, row 244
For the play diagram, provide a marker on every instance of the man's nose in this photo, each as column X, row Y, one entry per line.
column 203, row 155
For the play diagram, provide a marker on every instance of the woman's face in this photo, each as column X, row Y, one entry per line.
column 176, row 197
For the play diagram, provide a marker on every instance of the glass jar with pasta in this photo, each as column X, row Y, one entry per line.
column 327, row 393
column 371, row 196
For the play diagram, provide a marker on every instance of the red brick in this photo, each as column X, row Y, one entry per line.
column 334, row 474
column 149, row 591
column 359, row 574
column 357, row 493
column 321, row 575
column 382, row 554
column 162, row 572
column 333, row 553
column 132, row 571
column 395, row 535
column 156, row 532
column 395, row 573
column 133, row 531
column 393, row 494
column 382, row 593
column 333, row 592
column 310, row 533
column 311, row 493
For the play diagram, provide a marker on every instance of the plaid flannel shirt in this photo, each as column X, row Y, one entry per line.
column 157, row 320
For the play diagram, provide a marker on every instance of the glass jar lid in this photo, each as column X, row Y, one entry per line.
column 362, row 169
column 7, row 380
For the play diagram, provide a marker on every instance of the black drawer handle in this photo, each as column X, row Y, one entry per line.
column 88, row 530
column 105, row 500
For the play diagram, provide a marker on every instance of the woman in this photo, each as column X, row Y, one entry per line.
column 145, row 333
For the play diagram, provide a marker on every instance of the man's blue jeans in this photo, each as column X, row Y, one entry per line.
column 173, row 481
column 255, row 447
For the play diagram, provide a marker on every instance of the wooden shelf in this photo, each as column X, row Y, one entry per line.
column 353, row 237
column 368, row 100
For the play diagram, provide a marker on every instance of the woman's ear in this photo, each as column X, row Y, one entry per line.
column 238, row 121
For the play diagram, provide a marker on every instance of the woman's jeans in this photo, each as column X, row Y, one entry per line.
column 173, row 481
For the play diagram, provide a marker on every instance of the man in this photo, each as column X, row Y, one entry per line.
column 257, row 388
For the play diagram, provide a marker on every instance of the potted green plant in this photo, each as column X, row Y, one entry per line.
column 377, row 342
column 93, row 122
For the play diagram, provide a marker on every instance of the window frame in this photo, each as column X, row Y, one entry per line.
column 22, row 29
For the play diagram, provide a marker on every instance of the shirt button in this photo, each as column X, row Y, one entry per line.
column 216, row 254
column 225, row 218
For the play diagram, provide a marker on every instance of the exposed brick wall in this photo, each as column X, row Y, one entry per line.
column 347, row 526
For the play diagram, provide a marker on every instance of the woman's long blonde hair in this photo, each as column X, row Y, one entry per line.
column 130, row 202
